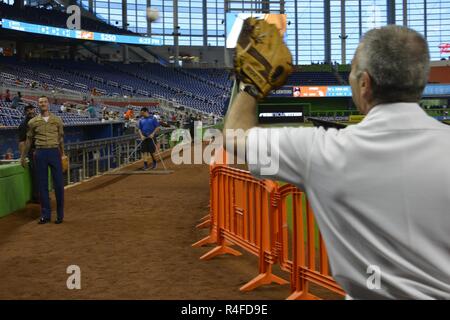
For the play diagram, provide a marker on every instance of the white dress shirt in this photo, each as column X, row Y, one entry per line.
column 380, row 191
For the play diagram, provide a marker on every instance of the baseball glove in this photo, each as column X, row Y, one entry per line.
column 262, row 60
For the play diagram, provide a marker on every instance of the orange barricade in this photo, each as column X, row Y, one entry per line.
column 308, row 264
column 211, row 219
column 252, row 214
column 205, row 221
column 246, row 217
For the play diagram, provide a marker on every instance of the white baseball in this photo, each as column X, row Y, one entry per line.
column 152, row 14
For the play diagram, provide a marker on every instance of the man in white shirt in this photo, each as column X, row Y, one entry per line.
column 380, row 190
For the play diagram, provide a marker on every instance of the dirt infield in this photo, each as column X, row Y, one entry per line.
column 131, row 237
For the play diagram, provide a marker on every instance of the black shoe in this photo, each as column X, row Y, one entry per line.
column 59, row 221
column 43, row 221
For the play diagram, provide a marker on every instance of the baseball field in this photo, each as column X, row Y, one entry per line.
column 131, row 236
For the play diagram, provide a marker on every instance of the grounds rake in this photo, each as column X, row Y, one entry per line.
column 152, row 171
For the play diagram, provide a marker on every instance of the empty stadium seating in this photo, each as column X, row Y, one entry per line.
column 206, row 90
column 203, row 90
column 180, row 87
column 10, row 117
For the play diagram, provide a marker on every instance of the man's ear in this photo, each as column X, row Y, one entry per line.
column 366, row 86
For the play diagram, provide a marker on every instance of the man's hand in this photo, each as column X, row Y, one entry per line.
column 64, row 163
column 23, row 162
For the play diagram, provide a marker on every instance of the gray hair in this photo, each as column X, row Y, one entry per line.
column 398, row 61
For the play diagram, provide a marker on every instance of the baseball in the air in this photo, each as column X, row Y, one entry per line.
column 152, row 14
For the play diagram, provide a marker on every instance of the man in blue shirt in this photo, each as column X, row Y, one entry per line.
column 92, row 112
column 148, row 128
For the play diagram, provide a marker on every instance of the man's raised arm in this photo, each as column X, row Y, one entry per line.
column 241, row 115
column 262, row 62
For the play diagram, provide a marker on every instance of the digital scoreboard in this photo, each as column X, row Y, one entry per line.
column 78, row 34
column 269, row 113
column 431, row 90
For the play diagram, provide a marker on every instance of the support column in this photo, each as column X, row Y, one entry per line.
column 205, row 25
column 425, row 20
column 360, row 18
column 265, row 6
column 91, row 6
column 124, row 15
column 149, row 25
column 327, row 31
column 125, row 54
column 176, row 33
column 405, row 13
column 226, row 54
column 72, row 52
column 20, row 51
column 343, row 34
column 19, row 4
column 296, row 33
column 390, row 5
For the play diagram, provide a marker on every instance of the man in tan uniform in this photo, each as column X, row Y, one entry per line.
column 46, row 130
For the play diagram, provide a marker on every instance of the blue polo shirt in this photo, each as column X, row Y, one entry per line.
column 92, row 111
column 148, row 125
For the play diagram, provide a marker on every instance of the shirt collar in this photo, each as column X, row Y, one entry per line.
column 50, row 116
column 399, row 115
column 393, row 108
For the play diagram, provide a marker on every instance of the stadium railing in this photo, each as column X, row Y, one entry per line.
column 94, row 157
